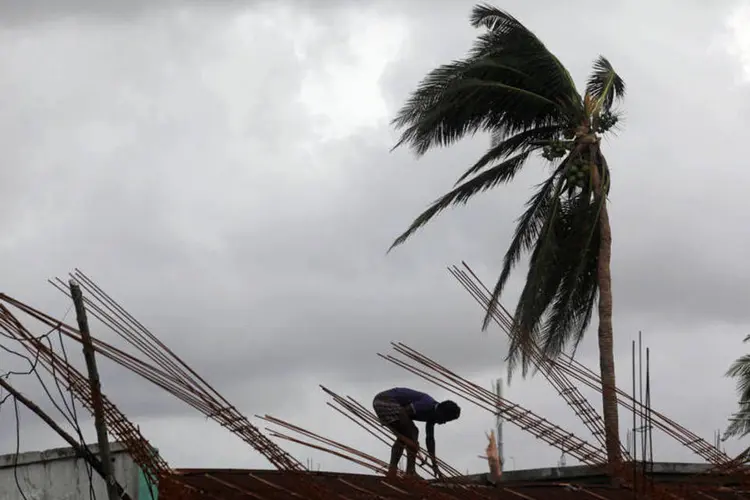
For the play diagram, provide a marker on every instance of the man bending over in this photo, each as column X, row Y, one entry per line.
column 398, row 409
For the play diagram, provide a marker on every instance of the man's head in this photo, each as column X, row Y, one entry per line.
column 447, row 411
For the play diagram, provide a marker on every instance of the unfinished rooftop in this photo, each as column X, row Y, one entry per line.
column 157, row 364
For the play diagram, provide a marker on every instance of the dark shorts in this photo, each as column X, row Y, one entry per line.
column 387, row 409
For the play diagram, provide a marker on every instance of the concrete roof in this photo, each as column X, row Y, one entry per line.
column 277, row 485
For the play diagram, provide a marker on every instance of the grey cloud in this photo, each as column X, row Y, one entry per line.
column 40, row 12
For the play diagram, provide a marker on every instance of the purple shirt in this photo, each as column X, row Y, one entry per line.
column 423, row 406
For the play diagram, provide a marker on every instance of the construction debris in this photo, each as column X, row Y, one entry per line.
column 493, row 458
column 527, row 420
column 560, row 371
column 162, row 367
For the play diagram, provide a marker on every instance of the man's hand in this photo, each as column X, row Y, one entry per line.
column 436, row 471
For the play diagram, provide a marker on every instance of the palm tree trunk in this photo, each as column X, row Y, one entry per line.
column 606, row 334
column 606, row 341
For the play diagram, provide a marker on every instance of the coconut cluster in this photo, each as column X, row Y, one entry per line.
column 578, row 174
column 556, row 150
column 606, row 121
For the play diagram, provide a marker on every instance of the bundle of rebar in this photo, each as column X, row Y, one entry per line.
column 166, row 370
column 155, row 468
column 191, row 387
column 527, row 420
column 556, row 377
column 325, row 444
column 565, row 367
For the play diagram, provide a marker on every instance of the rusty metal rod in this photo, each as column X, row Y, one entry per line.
column 222, row 410
column 375, row 468
column 581, row 373
column 559, row 381
column 527, row 420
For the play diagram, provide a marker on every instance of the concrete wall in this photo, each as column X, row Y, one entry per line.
column 58, row 474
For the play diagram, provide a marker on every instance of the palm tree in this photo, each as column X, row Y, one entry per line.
column 739, row 425
column 513, row 87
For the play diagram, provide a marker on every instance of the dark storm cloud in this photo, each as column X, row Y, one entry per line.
column 33, row 11
column 29, row 12
column 244, row 290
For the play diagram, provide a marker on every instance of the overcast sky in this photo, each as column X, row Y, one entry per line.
column 225, row 173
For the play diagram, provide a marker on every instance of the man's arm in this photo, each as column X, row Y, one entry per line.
column 430, row 438
column 405, row 422
column 430, row 442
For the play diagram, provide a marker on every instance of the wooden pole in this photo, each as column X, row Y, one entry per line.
column 96, row 390
column 81, row 450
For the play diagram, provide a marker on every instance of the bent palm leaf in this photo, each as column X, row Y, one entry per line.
column 490, row 178
column 740, row 371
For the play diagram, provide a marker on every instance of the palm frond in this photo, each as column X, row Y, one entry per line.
column 740, row 371
column 605, row 174
column 487, row 16
column 509, row 81
column 490, row 178
column 538, row 291
column 499, row 148
column 539, row 233
column 556, row 304
column 527, row 232
column 570, row 313
column 742, row 457
column 459, row 99
column 572, row 309
column 508, row 39
column 605, row 85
